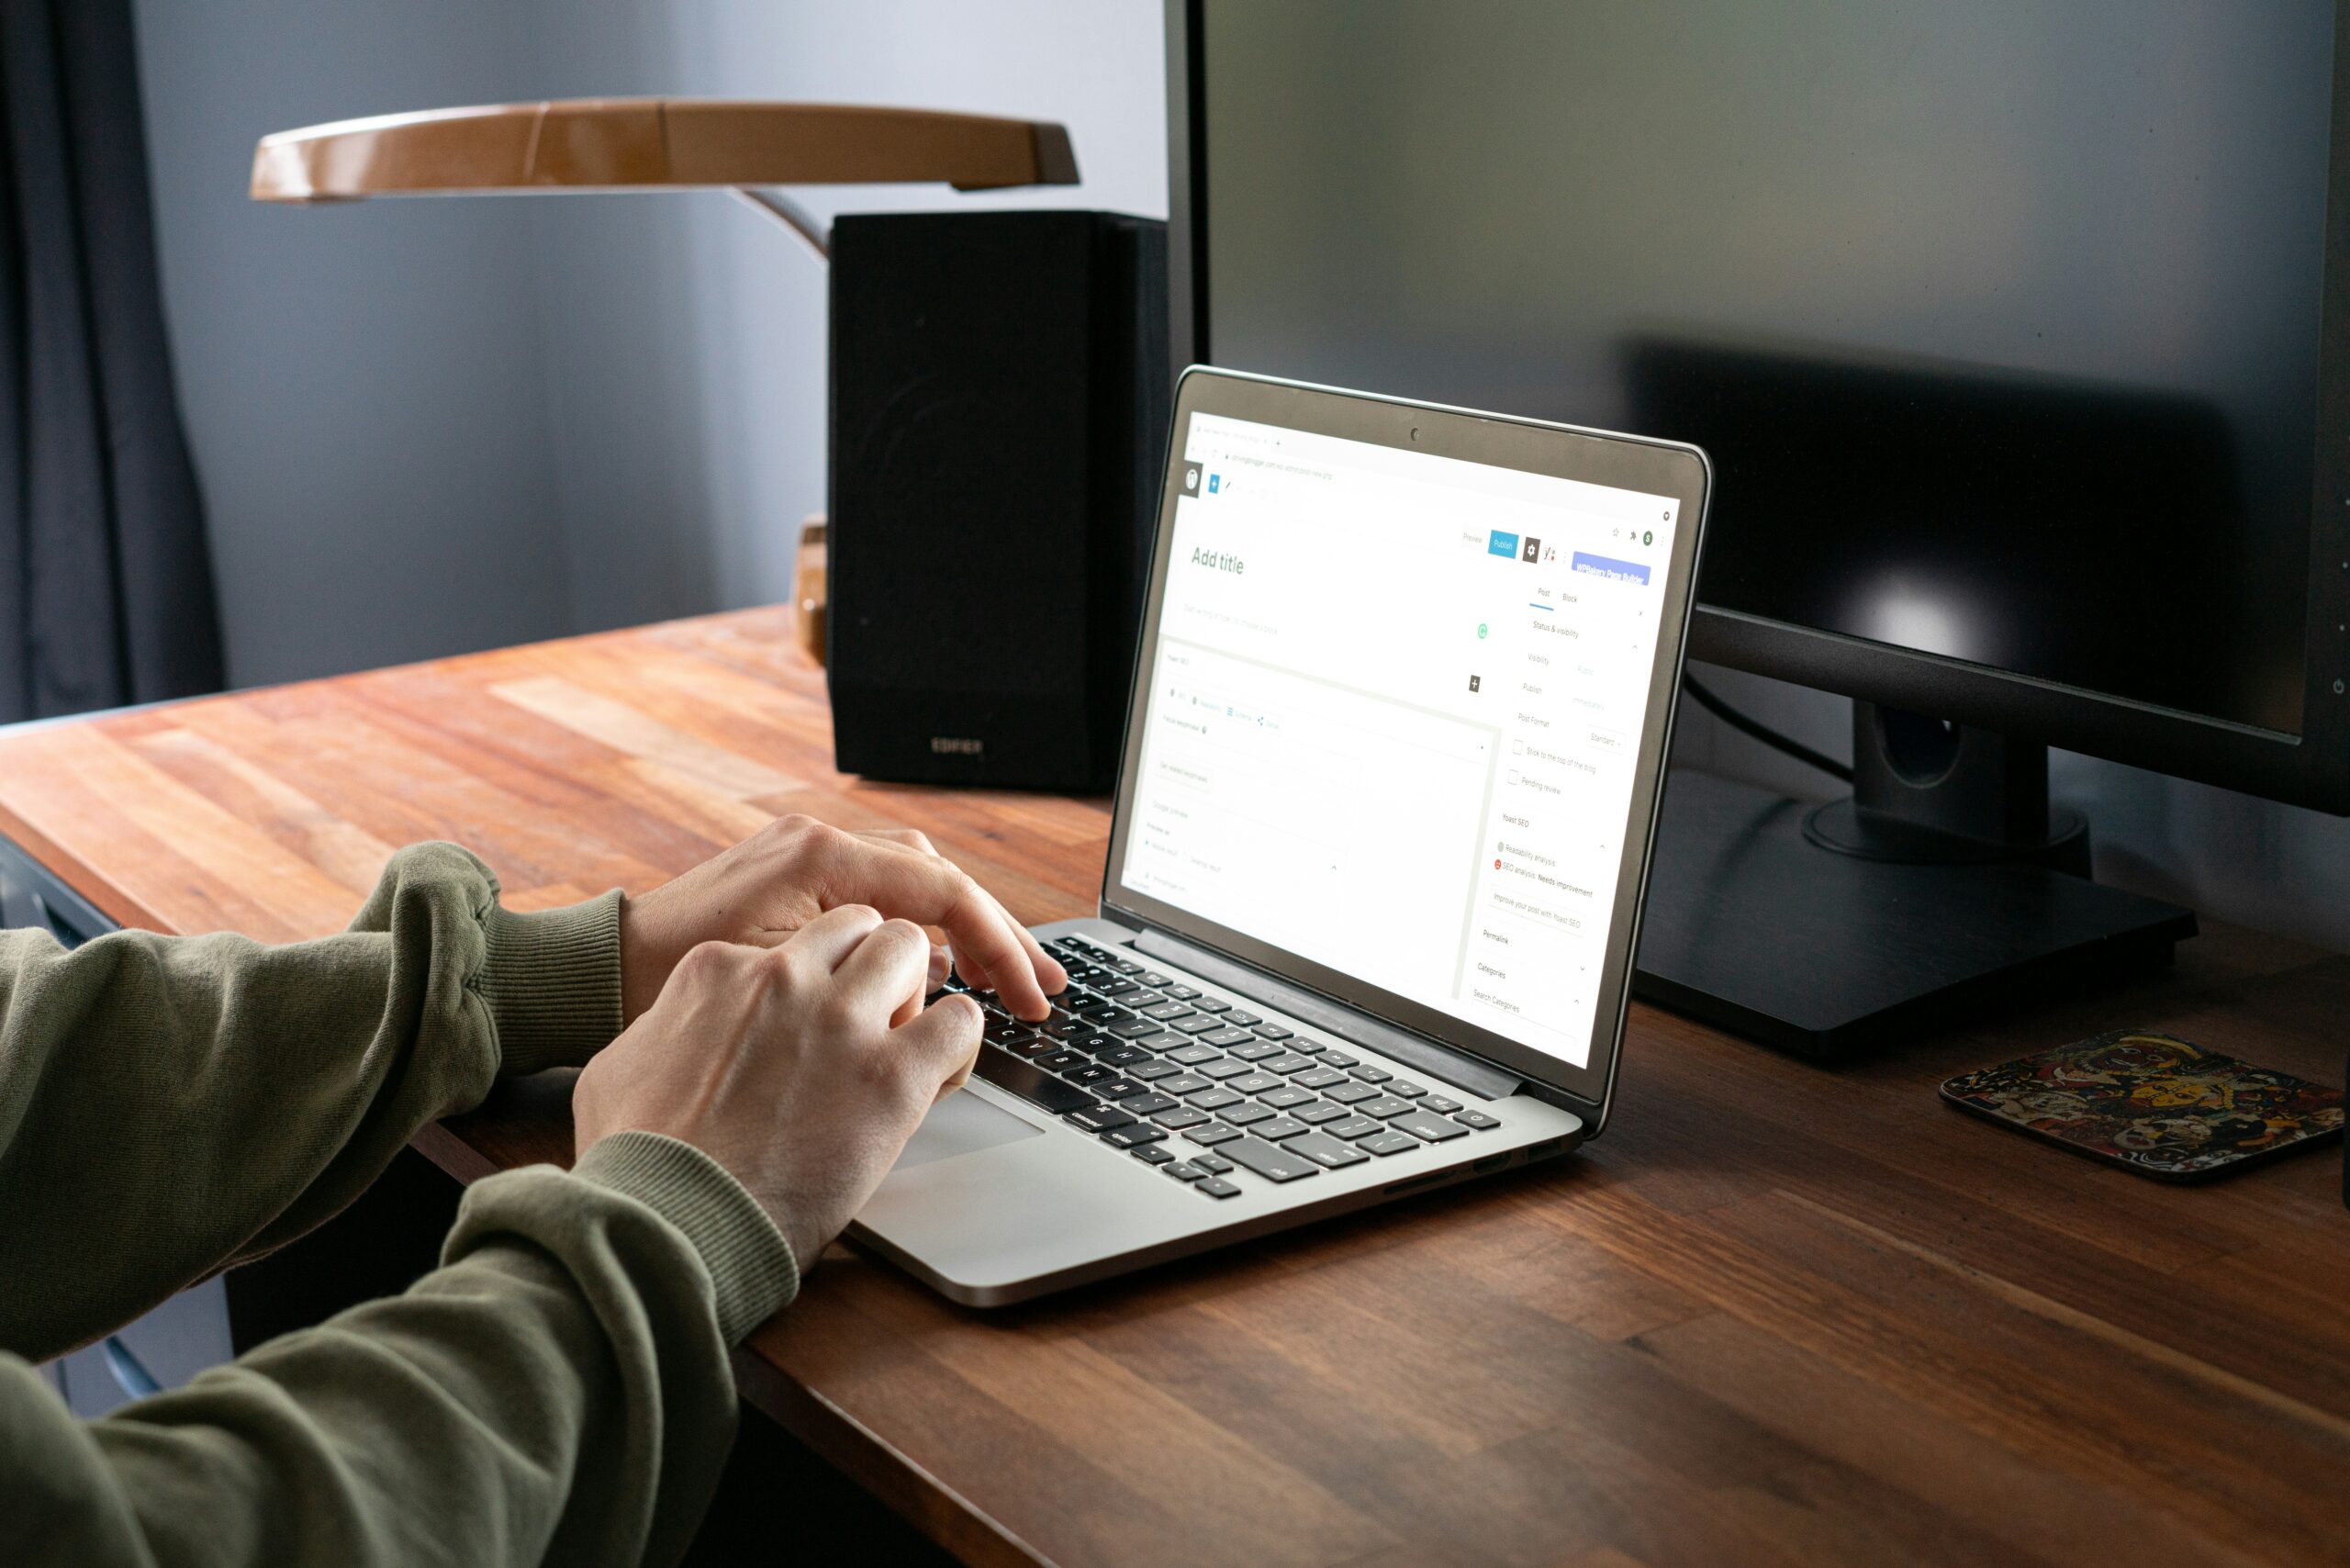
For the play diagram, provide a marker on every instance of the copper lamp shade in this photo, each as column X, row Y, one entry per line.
column 643, row 143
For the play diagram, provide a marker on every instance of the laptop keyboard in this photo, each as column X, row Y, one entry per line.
column 1195, row 1084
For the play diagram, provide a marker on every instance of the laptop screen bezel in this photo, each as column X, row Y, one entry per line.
column 1653, row 468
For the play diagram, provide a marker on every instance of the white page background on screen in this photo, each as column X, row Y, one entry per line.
column 1317, row 771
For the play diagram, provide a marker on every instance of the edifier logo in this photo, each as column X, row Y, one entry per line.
column 956, row 745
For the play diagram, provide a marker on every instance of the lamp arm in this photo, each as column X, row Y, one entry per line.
column 792, row 216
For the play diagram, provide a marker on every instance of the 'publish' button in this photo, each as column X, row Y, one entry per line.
column 1502, row 545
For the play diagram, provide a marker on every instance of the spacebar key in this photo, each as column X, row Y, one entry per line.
column 1271, row 1162
column 1029, row 1081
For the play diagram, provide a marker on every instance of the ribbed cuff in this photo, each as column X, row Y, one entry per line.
column 751, row 1266
column 552, row 978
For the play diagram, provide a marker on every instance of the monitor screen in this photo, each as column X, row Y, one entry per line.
column 1999, row 320
column 1392, row 715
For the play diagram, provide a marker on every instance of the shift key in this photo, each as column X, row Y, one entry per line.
column 1325, row 1150
column 1436, row 1129
column 1268, row 1160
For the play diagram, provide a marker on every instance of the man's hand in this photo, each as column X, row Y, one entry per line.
column 777, row 881
column 803, row 1069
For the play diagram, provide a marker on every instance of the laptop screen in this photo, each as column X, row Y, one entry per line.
column 1393, row 716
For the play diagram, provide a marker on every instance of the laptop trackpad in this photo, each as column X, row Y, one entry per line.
column 962, row 1124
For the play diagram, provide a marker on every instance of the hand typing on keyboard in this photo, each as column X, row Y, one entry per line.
column 799, row 1067
column 771, row 884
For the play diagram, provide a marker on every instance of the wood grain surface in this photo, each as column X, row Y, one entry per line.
column 1778, row 1315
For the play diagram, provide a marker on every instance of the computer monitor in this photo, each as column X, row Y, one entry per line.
column 2016, row 333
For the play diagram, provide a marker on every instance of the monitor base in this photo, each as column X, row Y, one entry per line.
column 1848, row 827
column 1752, row 927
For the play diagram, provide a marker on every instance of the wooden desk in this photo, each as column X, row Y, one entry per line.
column 1777, row 1314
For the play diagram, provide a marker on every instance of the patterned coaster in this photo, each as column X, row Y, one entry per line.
column 2153, row 1104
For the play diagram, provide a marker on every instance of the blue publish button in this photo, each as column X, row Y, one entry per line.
column 1601, row 567
column 1503, row 545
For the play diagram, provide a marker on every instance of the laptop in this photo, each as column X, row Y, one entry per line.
column 1395, row 744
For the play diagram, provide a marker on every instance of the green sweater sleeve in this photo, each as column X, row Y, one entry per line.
column 172, row 1105
column 558, row 1390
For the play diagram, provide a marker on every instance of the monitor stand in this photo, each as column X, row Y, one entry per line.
column 1943, row 882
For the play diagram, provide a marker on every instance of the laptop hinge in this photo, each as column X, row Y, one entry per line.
column 1428, row 1056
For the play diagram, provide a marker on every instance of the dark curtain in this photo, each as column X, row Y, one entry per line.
column 106, row 589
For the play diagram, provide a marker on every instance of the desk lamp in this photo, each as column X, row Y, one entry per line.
column 633, row 144
column 643, row 144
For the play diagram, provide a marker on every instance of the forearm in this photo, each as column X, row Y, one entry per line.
column 559, row 1391
column 169, row 1106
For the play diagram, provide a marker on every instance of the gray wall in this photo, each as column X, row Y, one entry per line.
column 363, row 385
column 424, row 427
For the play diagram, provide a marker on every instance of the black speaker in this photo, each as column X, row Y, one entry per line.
column 999, row 391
